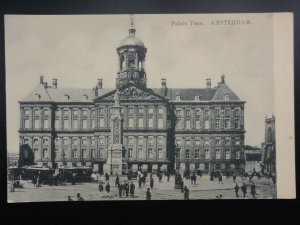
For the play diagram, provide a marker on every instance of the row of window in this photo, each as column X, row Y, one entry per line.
column 84, row 153
column 207, row 125
column 227, row 141
column 207, row 112
column 207, row 154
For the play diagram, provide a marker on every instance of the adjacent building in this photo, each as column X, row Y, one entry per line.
column 196, row 128
column 253, row 157
column 269, row 146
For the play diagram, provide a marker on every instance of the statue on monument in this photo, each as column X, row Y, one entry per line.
column 117, row 98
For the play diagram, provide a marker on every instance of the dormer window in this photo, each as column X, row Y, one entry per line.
column 226, row 97
column 85, row 97
column 178, row 98
column 197, row 98
column 37, row 96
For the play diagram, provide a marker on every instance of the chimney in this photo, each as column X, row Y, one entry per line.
column 164, row 89
column 208, row 83
column 41, row 79
column 223, row 79
column 54, row 83
column 99, row 85
column 45, row 84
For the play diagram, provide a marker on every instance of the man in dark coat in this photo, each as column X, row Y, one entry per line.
column 79, row 198
column 126, row 189
column 151, row 183
column 148, row 194
column 132, row 187
column 101, row 188
column 140, row 182
column 253, row 192
column 106, row 177
column 160, row 177
column 107, row 189
column 244, row 190
column 220, row 178
column 120, row 187
column 236, row 189
column 234, row 177
column 117, row 180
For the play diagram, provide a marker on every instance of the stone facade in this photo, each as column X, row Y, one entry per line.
column 162, row 127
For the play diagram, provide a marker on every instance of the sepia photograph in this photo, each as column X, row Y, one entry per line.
column 147, row 107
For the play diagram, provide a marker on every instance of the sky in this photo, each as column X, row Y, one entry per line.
column 79, row 49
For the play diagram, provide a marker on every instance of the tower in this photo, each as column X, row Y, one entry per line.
column 131, row 55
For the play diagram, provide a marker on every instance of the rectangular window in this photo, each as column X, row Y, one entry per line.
column 36, row 123
column 218, row 154
column 101, row 141
column 227, row 112
column 160, row 123
column 75, row 112
column 178, row 111
column 160, row 140
column 93, row 124
column 130, row 153
column 75, row 124
column 150, row 140
column 26, row 111
column 93, row 112
column 45, row 153
column 64, row 153
column 35, row 141
column 35, row 152
column 93, row 156
column 150, row 110
column 46, row 112
column 178, row 142
column 197, row 112
column 197, row 142
column 236, row 112
column 227, row 154
column 56, row 124
column 140, row 153
column 130, row 140
column 36, row 112
column 197, row 124
column 130, row 122
column 160, row 110
column 75, row 141
column 26, row 123
column 206, row 154
column 26, row 140
column 84, row 124
column 141, row 110
column 66, row 112
column 140, row 141
column 236, row 123
column 206, row 166
column 45, row 141
column 66, row 124
column 218, row 141
column 75, row 153
column 84, row 141
column 217, row 112
column 206, row 141
column 237, row 141
column 93, row 142
column 141, row 122
column 56, row 153
column 188, row 112
column 187, row 142
column 111, row 110
column 217, row 124
column 101, row 155
column 150, row 122
column 206, row 124
column 197, row 153
column 46, row 124
column 206, row 112
column 188, row 124
column 160, row 153
column 84, row 112
column 131, row 110
column 101, row 110
column 65, row 141
column 237, row 154
column 101, row 122
column 187, row 153
column 84, row 153
column 150, row 153
column 227, row 123
column 227, row 141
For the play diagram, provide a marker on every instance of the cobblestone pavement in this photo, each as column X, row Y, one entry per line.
column 203, row 189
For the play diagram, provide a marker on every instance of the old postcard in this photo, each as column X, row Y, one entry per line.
column 149, row 107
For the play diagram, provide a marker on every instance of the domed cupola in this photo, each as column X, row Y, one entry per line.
column 132, row 53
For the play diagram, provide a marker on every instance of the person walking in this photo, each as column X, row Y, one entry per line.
column 151, row 183
column 186, row 193
column 117, row 180
column 70, row 199
column 107, row 189
column 160, row 177
column 140, row 182
column 79, row 198
column 168, row 176
column 234, row 177
column 120, row 187
column 144, row 178
column 148, row 194
column 244, row 190
column 132, row 187
column 250, row 178
column 73, row 178
column 220, row 178
column 101, row 188
column 253, row 192
column 106, row 177
column 236, row 189
column 123, row 189
column 12, row 186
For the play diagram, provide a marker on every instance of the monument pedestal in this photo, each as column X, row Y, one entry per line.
column 115, row 164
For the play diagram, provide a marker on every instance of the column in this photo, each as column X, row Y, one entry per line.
column 41, row 118
column 21, row 118
column 146, row 146
column 41, row 144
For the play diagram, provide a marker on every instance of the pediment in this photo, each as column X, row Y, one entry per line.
column 132, row 93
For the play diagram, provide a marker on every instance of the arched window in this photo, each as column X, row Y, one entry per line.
column 269, row 134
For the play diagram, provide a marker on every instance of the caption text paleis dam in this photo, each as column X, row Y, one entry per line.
column 212, row 22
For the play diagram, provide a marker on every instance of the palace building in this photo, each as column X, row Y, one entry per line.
column 158, row 128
